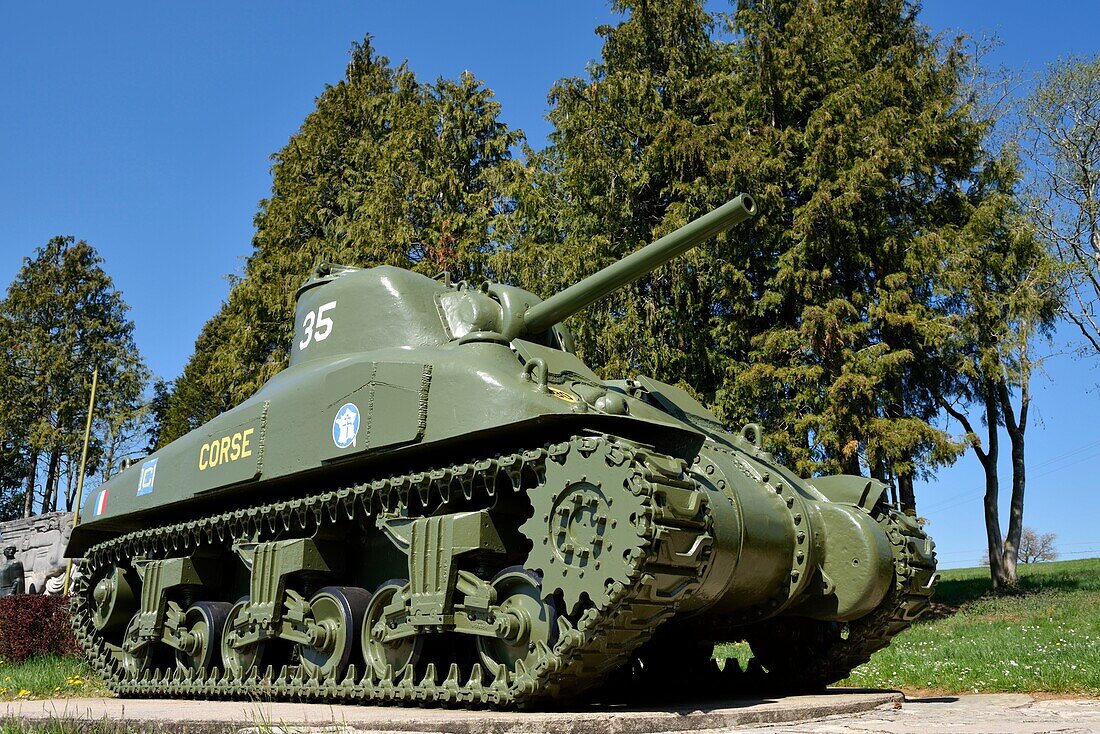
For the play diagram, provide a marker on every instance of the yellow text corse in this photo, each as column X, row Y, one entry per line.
column 225, row 449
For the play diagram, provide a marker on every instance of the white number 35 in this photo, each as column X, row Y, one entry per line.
column 316, row 326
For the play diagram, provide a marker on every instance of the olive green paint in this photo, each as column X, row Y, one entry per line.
column 622, row 502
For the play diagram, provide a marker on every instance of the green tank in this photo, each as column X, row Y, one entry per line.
column 438, row 502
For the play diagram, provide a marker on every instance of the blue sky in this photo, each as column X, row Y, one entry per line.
column 146, row 129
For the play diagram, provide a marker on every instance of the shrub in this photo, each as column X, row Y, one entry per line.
column 35, row 625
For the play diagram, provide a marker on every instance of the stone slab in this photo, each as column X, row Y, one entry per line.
column 999, row 713
column 211, row 716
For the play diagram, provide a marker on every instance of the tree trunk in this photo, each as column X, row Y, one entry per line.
column 1016, row 428
column 880, row 472
column 994, row 540
column 988, row 458
column 1016, row 509
column 69, row 487
column 906, row 494
column 28, row 495
column 998, row 574
column 49, row 499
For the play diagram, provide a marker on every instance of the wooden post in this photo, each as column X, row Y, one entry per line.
column 80, row 479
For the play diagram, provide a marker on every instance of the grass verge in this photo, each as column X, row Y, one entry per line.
column 1044, row 639
column 48, row 676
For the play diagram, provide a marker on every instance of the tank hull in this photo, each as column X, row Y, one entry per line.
column 285, row 436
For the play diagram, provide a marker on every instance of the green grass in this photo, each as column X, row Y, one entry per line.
column 1044, row 639
column 68, row 726
column 48, row 676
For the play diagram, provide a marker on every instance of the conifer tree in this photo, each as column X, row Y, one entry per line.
column 631, row 158
column 14, row 449
column 847, row 122
column 856, row 133
column 61, row 319
column 385, row 170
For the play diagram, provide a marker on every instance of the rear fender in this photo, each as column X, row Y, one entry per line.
column 850, row 489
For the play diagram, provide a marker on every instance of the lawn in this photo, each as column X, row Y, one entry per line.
column 1045, row 639
column 48, row 676
column 70, row 726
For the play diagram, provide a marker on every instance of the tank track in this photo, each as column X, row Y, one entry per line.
column 590, row 644
column 807, row 654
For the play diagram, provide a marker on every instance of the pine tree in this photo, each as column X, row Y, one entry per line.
column 61, row 319
column 14, row 447
column 631, row 159
column 858, row 137
column 385, row 170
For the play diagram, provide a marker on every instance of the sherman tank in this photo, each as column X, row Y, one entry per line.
column 438, row 502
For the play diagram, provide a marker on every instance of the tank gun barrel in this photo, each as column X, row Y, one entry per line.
column 542, row 316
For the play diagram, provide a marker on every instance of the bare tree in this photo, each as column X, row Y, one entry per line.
column 1062, row 130
column 1035, row 547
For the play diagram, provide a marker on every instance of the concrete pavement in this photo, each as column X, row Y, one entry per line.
column 836, row 712
column 220, row 716
column 998, row 713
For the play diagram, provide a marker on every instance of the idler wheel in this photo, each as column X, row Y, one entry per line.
column 378, row 654
column 337, row 615
column 239, row 661
column 524, row 618
column 112, row 601
column 204, row 623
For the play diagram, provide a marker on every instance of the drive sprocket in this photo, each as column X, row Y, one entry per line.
column 592, row 524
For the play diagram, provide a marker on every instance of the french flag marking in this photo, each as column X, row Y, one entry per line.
column 101, row 502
